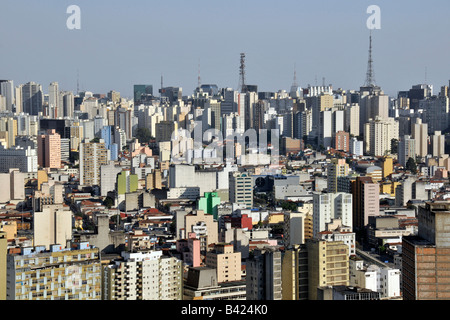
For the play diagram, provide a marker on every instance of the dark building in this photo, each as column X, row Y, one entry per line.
column 143, row 93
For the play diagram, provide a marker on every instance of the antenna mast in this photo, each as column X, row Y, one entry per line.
column 370, row 77
column 243, row 86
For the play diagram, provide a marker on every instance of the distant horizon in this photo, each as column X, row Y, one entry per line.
column 121, row 44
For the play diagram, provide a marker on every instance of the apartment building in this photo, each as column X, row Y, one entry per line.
column 143, row 275
column 55, row 274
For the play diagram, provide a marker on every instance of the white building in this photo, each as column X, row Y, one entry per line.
column 143, row 276
column 328, row 206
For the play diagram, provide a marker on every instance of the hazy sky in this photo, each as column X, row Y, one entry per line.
column 122, row 43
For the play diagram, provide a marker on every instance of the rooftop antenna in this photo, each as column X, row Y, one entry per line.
column 370, row 76
column 295, row 84
column 199, row 79
column 426, row 75
column 78, row 82
column 243, row 86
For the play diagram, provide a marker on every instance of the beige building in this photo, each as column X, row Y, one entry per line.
column 57, row 274
column 52, row 225
column 328, row 265
column 9, row 227
column 204, row 227
column 337, row 168
column 12, row 186
column 92, row 156
column 225, row 261
column 419, row 132
column 143, row 275
column 378, row 134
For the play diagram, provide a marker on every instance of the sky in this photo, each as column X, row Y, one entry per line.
column 122, row 43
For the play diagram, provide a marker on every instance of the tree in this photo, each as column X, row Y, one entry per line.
column 411, row 165
column 108, row 202
column 143, row 135
column 394, row 146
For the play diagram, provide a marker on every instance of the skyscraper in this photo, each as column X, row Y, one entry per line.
column 328, row 206
column 241, row 189
column 378, row 135
column 49, row 150
column 438, row 144
column 328, row 265
column 32, row 98
column 92, row 156
column 7, row 91
column 366, row 201
column 406, row 149
column 336, row 168
column 426, row 257
column 419, row 132
column 55, row 108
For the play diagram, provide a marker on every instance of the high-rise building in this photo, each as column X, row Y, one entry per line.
column 143, row 93
column 329, row 206
column 52, row 225
column 164, row 130
column 342, row 141
column 426, row 257
column 123, row 119
column 26, row 160
column 328, row 265
column 378, row 135
column 55, row 274
column 3, row 255
column 387, row 166
column 143, row 276
column 294, row 228
column 209, row 203
column 203, row 226
column 294, row 270
column 366, row 201
column 55, row 109
column 435, row 113
column 241, row 188
column 374, row 106
column 406, row 149
column 32, row 98
column 49, row 150
column 419, row 132
column 126, row 182
column 438, row 144
column 13, row 185
column 67, row 104
column 92, row 156
column 351, row 119
column 7, row 91
column 336, row 168
column 227, row 262
column 263, row 275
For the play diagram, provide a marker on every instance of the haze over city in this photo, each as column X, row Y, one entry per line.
column 123, row 43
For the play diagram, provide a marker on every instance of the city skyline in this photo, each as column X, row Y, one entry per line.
column 119, row 46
